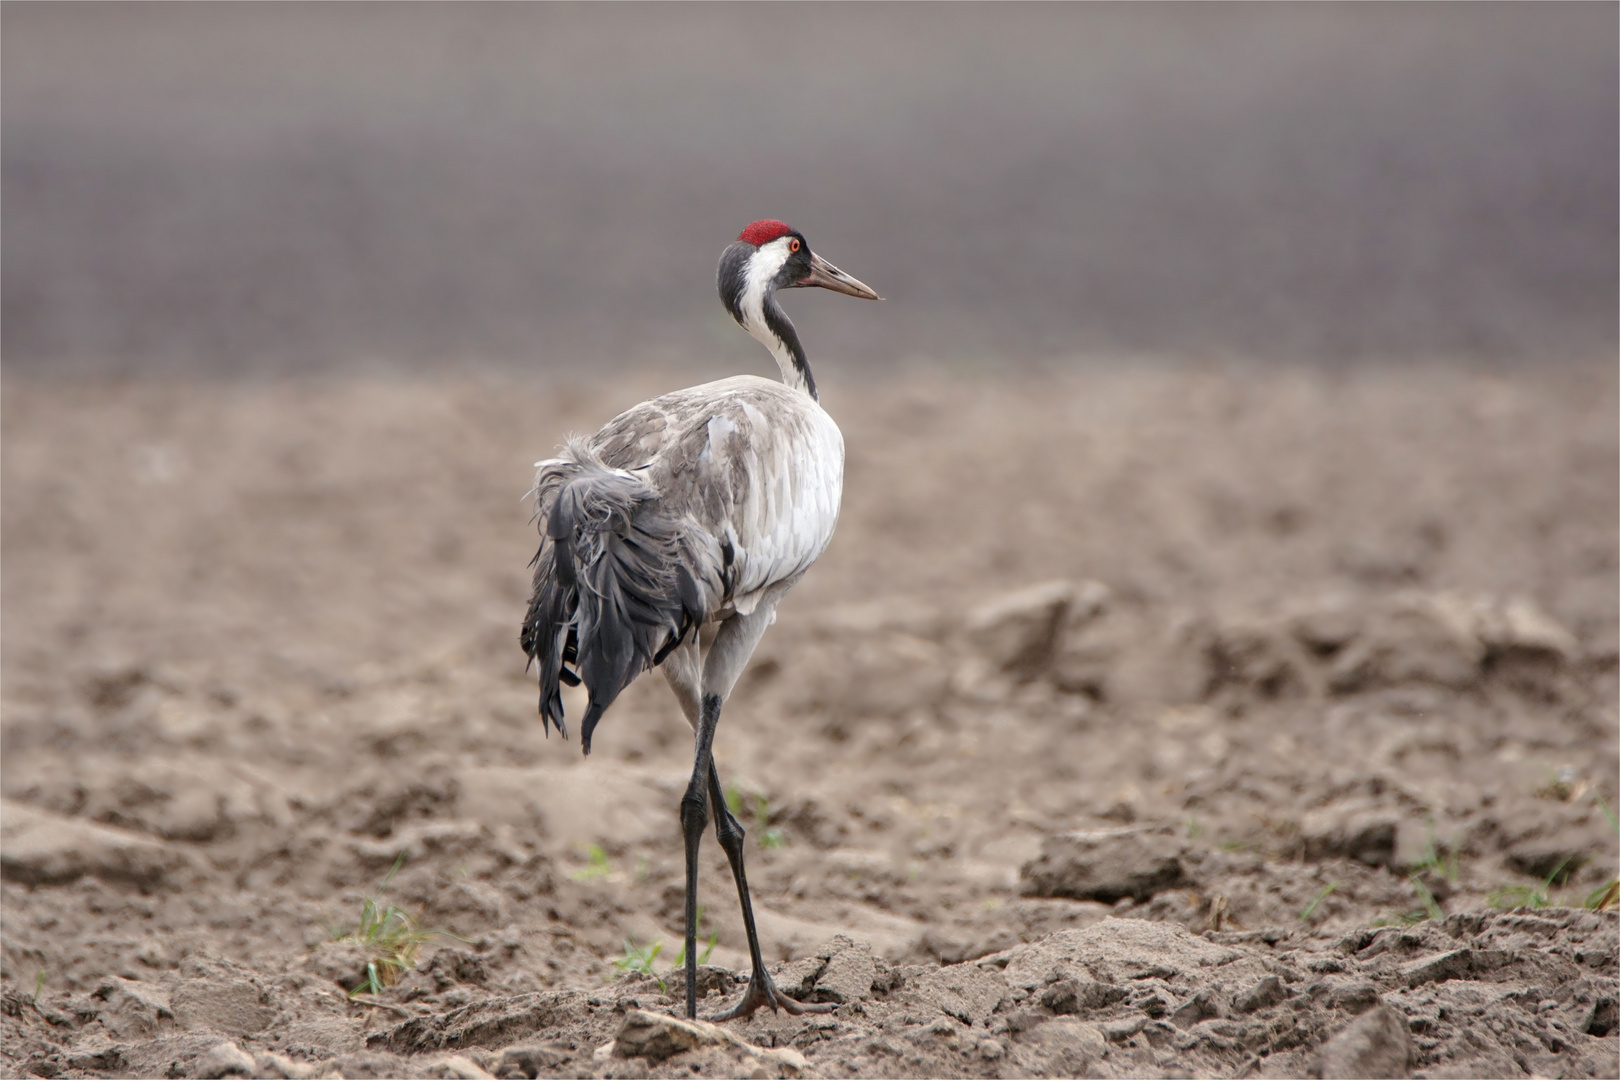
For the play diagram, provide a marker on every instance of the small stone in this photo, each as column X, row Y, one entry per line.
column 1200, row 1007
column 626, row 1069
column 655, row 1037
column 849, row 973
column 463, row 1068
column 1519, row 624
column 1448, row 965
column 1260, row 658
column 1061, row 1047
column 1120, row 1030
column 230, row 1006
column 1262, row 995
column 41, row 848
column 134, row 1010
column 1377, row 1045
column 341, row 962
column 225, row 1059
column 1151, row 1002
column 711, row 979
column 1603, row 1019
column 1017, row 1022
column 97, row 1054
column 797, row 978
column 1326, row 624
column 1106, row 865
column 278, row 1065
column 1117, row 953
column 1019, row 632
column 1355, row 998
column 963, row 991
column 527, row 1061
column 991, row 1050
column 1415, row 637
column 1363, row 831
column 1080, row 995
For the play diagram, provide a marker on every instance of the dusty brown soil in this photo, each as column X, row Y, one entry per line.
column 1148, row 721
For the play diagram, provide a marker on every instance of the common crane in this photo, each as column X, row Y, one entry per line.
column 668, row 538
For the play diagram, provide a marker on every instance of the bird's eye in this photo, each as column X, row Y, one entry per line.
column 793, row 245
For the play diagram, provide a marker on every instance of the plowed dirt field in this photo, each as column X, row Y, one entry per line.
column 1151, row 720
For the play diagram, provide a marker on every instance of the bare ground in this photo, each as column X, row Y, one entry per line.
column 1147, row 721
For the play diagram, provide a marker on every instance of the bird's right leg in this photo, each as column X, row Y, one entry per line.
column 694, row 818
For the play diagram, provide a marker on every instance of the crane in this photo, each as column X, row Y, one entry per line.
column 669, row 537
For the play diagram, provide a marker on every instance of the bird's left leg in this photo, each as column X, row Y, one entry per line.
column 761, row 990
column 729, row 654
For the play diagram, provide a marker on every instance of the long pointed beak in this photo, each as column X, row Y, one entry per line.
column 825, row 275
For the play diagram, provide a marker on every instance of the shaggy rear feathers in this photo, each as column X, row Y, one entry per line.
column 612, row 590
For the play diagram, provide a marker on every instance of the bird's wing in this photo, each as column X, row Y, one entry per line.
column 756, row 464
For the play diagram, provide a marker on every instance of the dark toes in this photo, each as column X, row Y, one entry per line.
column 761, row 991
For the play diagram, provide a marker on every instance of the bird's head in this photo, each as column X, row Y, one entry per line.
column 768, row 256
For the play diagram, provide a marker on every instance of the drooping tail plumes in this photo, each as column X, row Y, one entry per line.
column 618, row 583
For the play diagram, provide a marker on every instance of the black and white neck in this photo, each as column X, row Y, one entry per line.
column 768, row 256
column 749, row 278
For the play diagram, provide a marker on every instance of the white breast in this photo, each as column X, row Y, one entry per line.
column 756, row 464
column 787, row 519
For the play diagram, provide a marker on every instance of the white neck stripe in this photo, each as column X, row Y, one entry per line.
column 760, row 272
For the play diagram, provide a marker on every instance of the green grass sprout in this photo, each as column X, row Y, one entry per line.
column 1531, row 896
column 1310, row 908
column 1614, row 822
column 643, row 958
column 640, row 958
column 1431, row 906
column 390, row 939
column 770, row 839
column 597, row 865
column 1604, row 897
column 703, row 957
column 1441, row 866
column 1431, row 859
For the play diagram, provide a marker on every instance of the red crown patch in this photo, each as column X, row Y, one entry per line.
column 763, row 232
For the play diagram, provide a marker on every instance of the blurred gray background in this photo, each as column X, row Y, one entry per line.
column 293, row 187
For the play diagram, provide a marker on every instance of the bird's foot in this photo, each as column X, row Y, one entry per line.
column 761, row 991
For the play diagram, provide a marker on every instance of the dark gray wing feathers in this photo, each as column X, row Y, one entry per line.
column 616, row 582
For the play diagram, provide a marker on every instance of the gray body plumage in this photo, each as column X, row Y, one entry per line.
column 684, row 510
